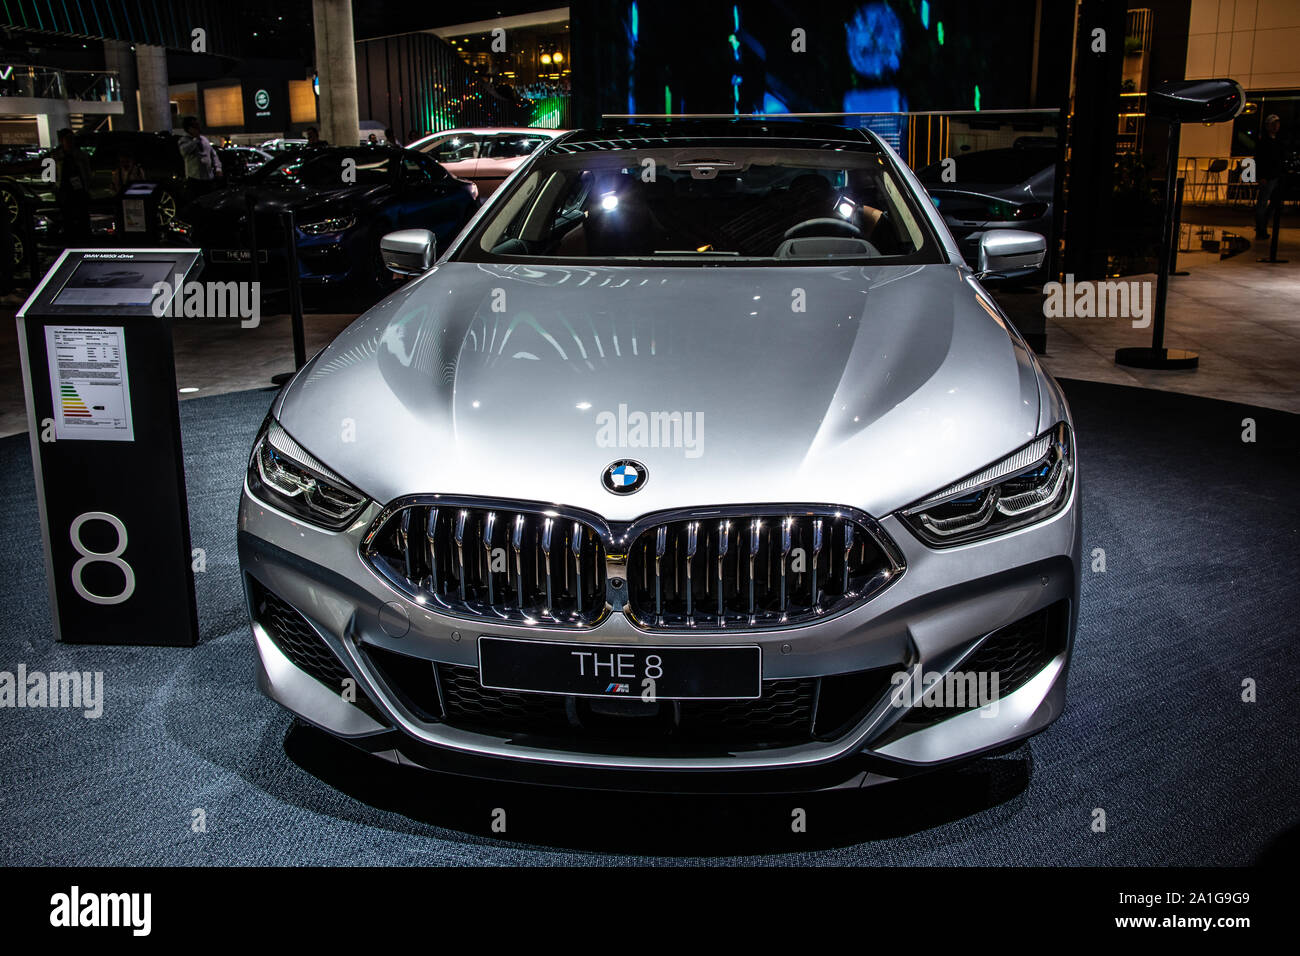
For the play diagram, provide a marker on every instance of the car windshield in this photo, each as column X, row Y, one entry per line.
column 453, row 149
column 510, row 147
column 706, row 204
column 323, row 170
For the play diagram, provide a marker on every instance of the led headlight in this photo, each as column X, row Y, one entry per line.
column 283, row 474
column 1029, row 485
column 323, row 227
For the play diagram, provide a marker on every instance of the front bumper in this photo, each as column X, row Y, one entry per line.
column 322, row 260
column 934, row 617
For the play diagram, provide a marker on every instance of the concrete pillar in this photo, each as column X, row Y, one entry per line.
column 119, row 59
column 51, row 121
column 155, row 104
column 336, row 65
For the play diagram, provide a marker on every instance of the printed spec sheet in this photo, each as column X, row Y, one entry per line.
column 88, row 382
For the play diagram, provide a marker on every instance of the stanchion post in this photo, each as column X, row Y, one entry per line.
column 1178, row 232
column 295, row 296
column 29, row 241
column 250, row 205
column 295, row 290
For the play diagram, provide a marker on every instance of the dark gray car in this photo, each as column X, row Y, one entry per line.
column 1009, row 188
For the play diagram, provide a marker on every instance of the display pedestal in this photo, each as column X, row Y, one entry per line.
column 95, row 343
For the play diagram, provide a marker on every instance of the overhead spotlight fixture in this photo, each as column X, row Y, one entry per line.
column 608, row 202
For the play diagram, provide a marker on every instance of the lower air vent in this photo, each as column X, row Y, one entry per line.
column 300, row 643
column 789, row 713
column 1015, row 653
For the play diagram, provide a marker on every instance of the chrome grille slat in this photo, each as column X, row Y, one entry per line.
column 461, row 519
column 546, row 559
column 516, row 544
column 692, row 545
column 431, row 540
column 785, row 558
column 575, row 545
column 404, row 536
column 489, row 525
column 724, row 535
column 816, row 556
column 661, row 546
column 848, row 548
column 755, row 531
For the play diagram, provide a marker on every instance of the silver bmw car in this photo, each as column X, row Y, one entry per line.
column 700, row 460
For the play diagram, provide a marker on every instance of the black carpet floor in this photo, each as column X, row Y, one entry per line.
column 1200, row 532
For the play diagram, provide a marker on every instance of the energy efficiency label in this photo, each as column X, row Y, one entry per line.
column 88, row 382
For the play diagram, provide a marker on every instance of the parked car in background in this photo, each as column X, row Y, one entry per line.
column 239, row 162
column 484, row 156
column 344, row 198
column 282, row 145
column 19, row 153
column 157, row 155
column 1009, row 188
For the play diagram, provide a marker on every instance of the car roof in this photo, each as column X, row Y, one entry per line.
column 788, row 131
column 489, row 130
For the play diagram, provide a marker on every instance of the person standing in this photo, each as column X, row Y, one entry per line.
column 126, row 172
column 202, row 166
column 1269, row 168
column 73, row 193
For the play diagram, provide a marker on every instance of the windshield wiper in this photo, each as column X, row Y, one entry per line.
column 694, row 252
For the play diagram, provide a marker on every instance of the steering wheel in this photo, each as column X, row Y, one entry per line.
column 840, row 226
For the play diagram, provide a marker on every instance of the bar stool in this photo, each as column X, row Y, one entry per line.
column 1213, row 175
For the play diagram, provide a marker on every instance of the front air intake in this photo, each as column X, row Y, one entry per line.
column 501, row 564
column 756, row 568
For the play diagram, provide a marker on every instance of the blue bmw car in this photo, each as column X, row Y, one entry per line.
column 344, row 199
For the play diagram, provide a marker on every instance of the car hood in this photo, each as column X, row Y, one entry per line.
column 861, row 386
column 1038, row 187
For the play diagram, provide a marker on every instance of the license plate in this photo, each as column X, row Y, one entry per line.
column 603, row 670
column 237, row 255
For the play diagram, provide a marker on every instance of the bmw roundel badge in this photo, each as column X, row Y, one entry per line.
column 624, row 477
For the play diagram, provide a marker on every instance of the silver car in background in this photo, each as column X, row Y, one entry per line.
column 699, row 461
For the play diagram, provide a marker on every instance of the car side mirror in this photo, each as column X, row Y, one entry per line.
column 1197, row 101
column 1010, row 253
column 409, row 252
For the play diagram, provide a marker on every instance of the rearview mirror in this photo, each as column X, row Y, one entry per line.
column 1010, row 253
column 408, row 252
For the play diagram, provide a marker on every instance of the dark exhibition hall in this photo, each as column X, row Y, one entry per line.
column 853, row 443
